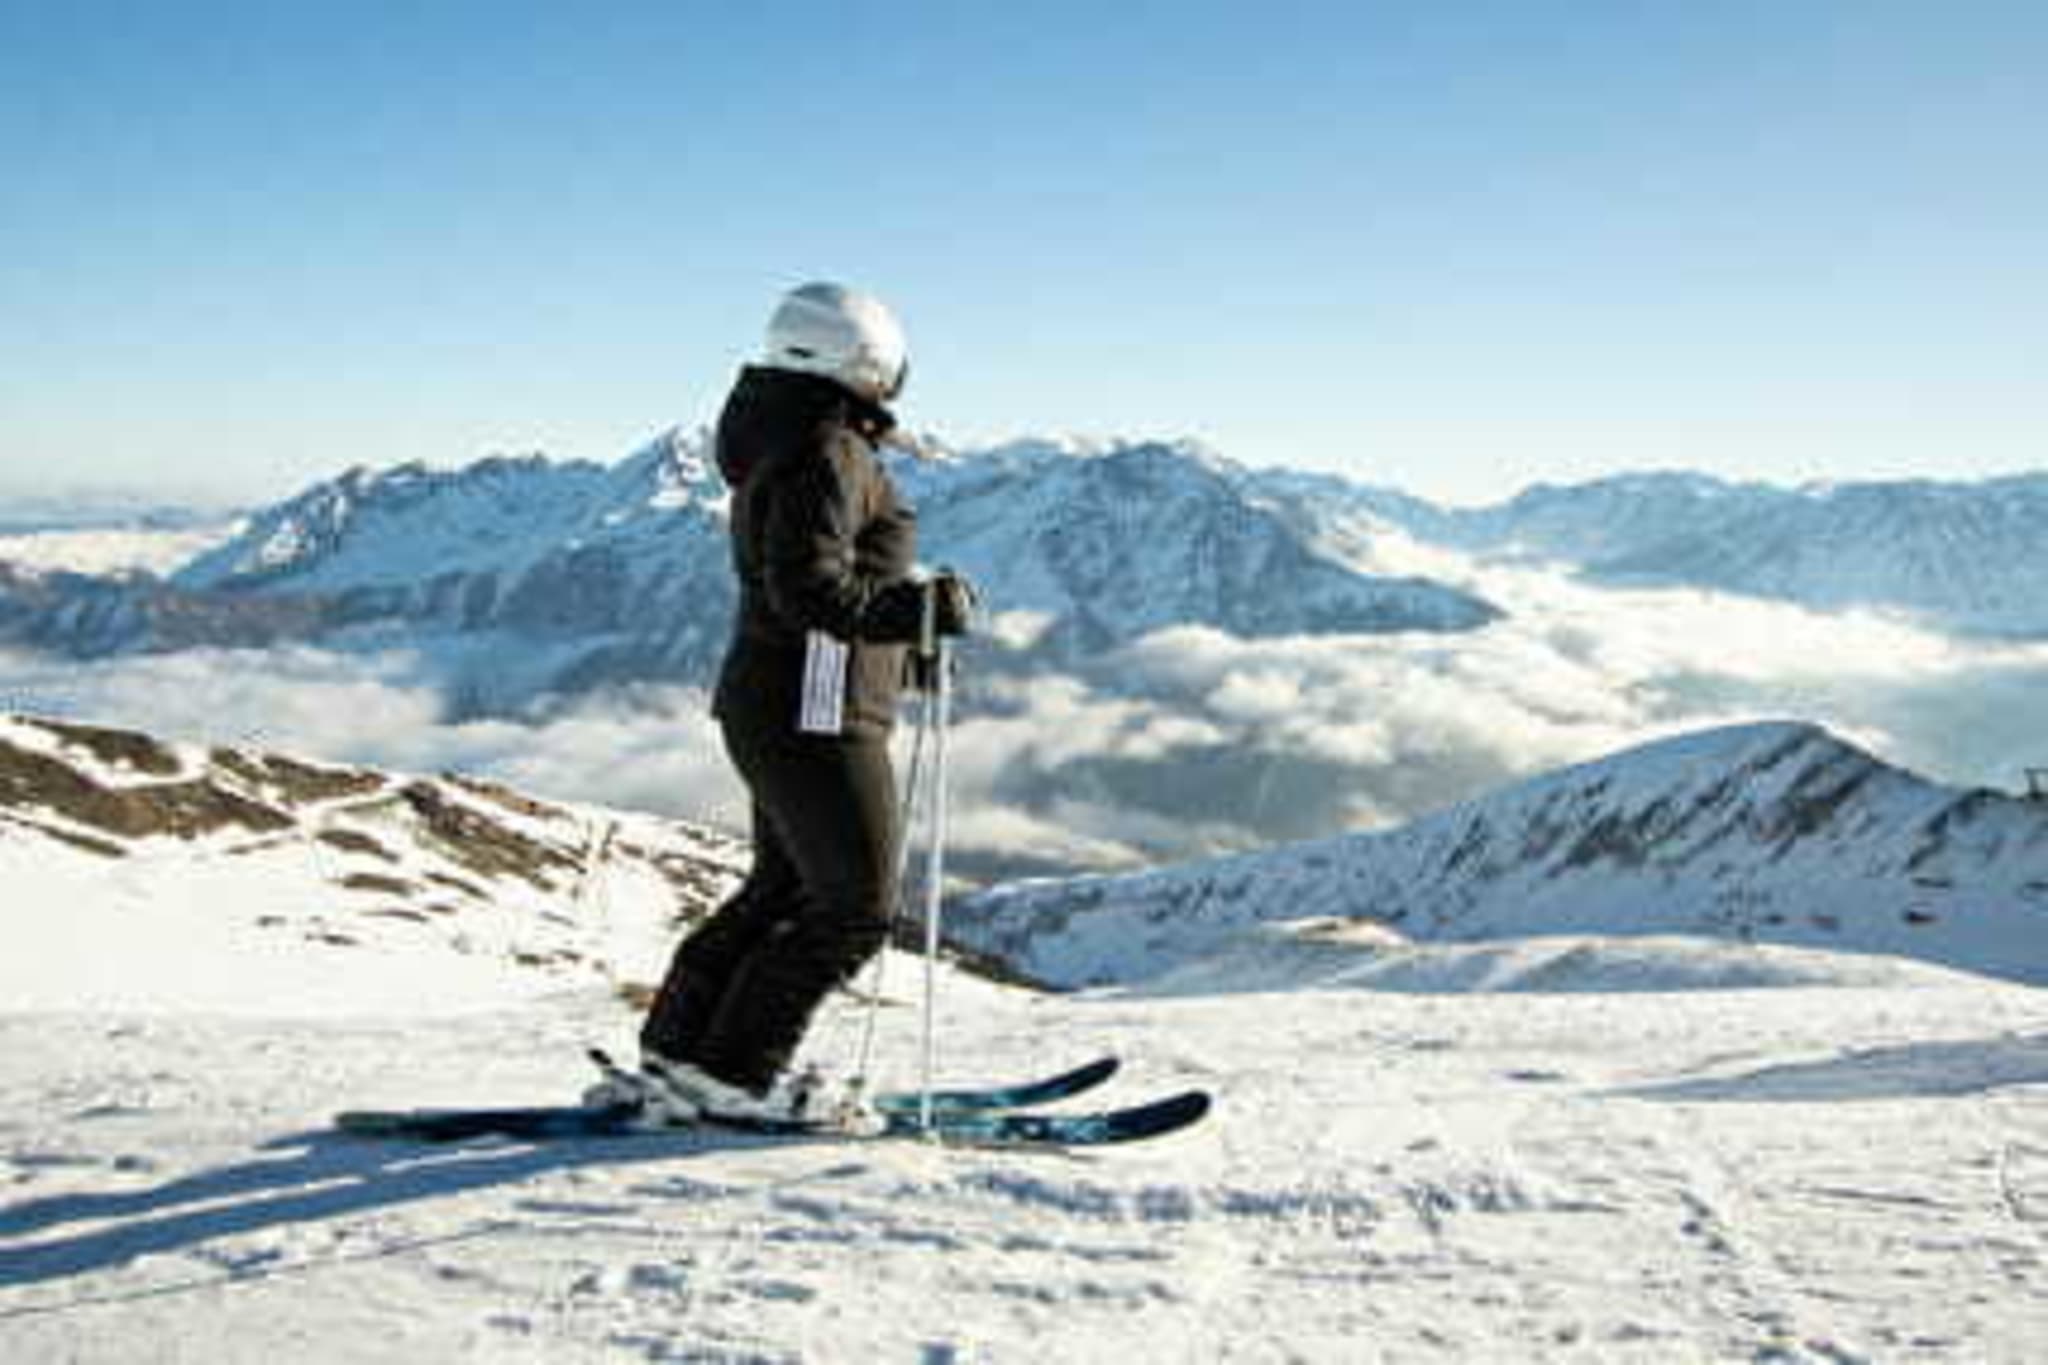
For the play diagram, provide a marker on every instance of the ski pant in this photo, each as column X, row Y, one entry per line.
column 817, row 904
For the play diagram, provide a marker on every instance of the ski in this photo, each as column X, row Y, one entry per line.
column 1017, row 1128
column 977, row 1128
column 981, row 1099
column 965, row 1100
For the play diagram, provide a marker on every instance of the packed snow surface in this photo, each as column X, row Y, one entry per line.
column 1849, row 1174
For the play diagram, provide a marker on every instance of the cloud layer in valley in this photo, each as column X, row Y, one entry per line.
column 1189, row 741
column 651, row 749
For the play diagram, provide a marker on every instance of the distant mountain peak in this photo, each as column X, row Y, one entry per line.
column 675, row 469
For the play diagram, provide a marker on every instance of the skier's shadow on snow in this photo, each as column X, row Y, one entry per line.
column 330, row 1175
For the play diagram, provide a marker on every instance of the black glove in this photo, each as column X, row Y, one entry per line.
column 897, row 616
column 953, row 602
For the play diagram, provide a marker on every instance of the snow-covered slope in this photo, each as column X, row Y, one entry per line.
column 1773, row 833
column 139, row 874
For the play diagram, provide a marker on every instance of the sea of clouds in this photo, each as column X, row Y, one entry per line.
column 1189, row 741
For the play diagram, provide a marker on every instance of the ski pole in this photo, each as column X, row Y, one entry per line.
column 906, row 816
column 937, row 651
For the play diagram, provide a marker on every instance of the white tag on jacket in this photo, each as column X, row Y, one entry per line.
column 826, row 662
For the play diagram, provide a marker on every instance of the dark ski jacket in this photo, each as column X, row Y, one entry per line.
column 823, row 548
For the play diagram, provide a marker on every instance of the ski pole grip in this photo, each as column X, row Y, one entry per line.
column 928, row 621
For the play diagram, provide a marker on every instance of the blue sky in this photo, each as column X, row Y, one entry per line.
column 1456, row 248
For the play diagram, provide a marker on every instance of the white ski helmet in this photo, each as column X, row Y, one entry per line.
column 842, row 334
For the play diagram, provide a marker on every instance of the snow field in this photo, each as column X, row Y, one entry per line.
column 1792, row 1174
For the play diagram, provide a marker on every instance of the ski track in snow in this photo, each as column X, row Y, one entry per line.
column 1825, row 1175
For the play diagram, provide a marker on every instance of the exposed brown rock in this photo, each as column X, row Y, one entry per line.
column 481, row 844
column 297, row 782
column 469, row 889
column 370, row 881
column 117, row 748
column 186, row 809
column 500, row 795
column 352, row 841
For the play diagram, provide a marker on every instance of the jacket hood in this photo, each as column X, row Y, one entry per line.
column 772, row 414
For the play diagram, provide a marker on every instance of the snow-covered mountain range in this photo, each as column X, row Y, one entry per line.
column 1770, row 833
column 529, row 576
column 1961, row 556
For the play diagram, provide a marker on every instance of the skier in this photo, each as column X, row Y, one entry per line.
column 823, row 549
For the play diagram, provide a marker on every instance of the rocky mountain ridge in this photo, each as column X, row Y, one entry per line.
column 1772, row 833
column 1113, row 544
column 269, row 850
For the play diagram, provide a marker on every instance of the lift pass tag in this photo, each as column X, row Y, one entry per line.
column 826, row 661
